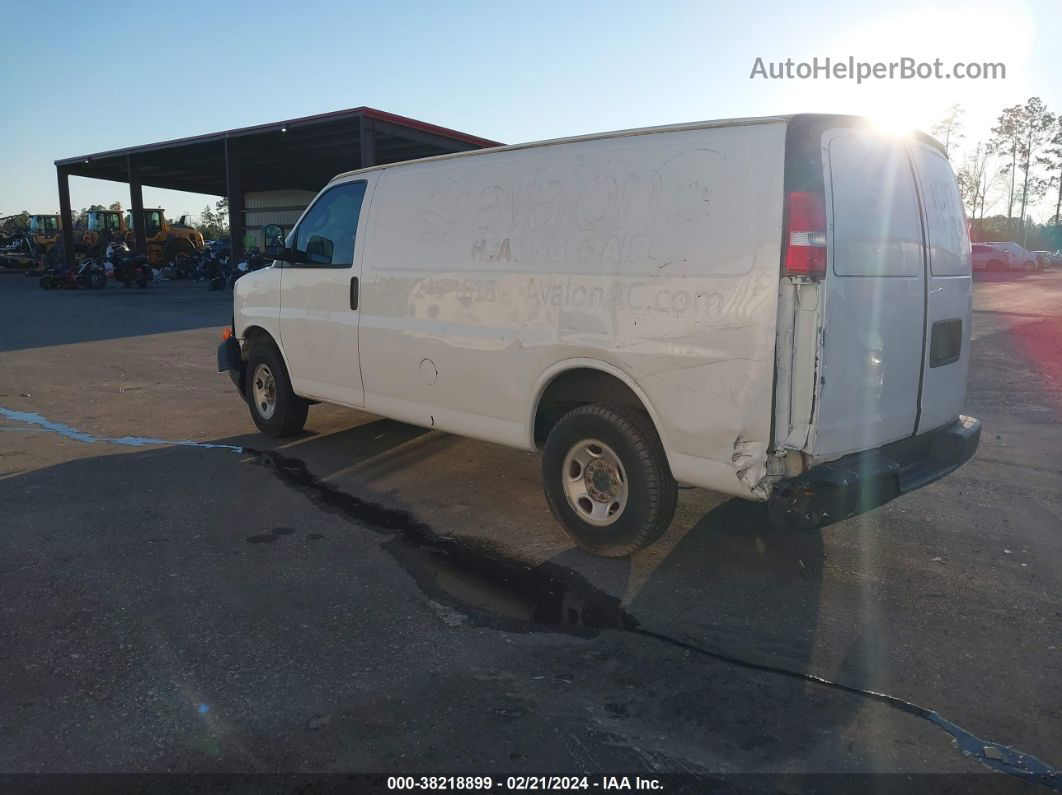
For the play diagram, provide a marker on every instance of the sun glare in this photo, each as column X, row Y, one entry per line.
column 981, row 32
column 893, row 123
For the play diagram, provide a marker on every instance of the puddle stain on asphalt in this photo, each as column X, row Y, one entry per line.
column 262, row 538
column 276, row 534
column 504, row 592
column 509, row 594
column 125, row 441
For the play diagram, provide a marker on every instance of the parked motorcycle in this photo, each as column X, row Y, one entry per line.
column 128, row 269
column 185, row 266
column 89, row 273
column 253, row 261
column 214, row 263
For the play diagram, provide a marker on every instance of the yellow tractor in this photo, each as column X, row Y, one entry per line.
column 102, row 226
column 45, row 230
column 166, row 242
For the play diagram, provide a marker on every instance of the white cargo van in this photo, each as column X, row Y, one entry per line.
column 774, row 308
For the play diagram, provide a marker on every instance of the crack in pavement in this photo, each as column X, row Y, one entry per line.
column 513, row 595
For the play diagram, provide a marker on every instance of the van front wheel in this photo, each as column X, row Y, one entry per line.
column 275, row 408
column 607, row 479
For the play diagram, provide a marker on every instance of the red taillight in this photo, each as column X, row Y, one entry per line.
column 805, row 250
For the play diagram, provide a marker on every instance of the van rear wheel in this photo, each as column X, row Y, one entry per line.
column 607, row 480
column 275, row 408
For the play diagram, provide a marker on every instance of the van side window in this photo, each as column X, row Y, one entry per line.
column 948, row 241
column 325, row 236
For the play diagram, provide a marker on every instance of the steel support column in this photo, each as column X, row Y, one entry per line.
column 368, row 142
column 234, row 180
column 136, row 204
column 66, row 217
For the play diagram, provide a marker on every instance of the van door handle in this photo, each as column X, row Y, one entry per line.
column 354, row 293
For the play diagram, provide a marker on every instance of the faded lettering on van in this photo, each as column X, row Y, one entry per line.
column 638, row 298
column 613, row 214
column 626, row 248
column 438, row 220
column 615, row 250
column 519, row 249
column 596, row 202
column 465, row 291
column 542, row 205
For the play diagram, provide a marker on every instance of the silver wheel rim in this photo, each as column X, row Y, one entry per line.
column 595, row 482
column 264, row 391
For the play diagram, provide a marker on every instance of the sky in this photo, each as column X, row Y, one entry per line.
column 106, row 76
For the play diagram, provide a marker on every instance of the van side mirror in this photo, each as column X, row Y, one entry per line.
column 273, row 235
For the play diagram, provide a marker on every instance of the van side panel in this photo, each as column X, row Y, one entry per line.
column 654, row 255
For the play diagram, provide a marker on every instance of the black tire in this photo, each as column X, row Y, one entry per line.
column 97, row 280
column 289, row 412
column 651, row 490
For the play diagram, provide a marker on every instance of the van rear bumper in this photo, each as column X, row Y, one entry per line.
column 839, row 489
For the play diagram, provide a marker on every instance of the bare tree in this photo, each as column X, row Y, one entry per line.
column 973, row 178
column 949, row 128
column 969, row 187
column 981, row 181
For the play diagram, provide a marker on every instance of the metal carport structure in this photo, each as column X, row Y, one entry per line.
column 301, row 153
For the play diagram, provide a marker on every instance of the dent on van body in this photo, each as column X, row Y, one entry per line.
column 656, row 256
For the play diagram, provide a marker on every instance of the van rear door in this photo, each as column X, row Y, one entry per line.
column 874, row 295
column 948, row 290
